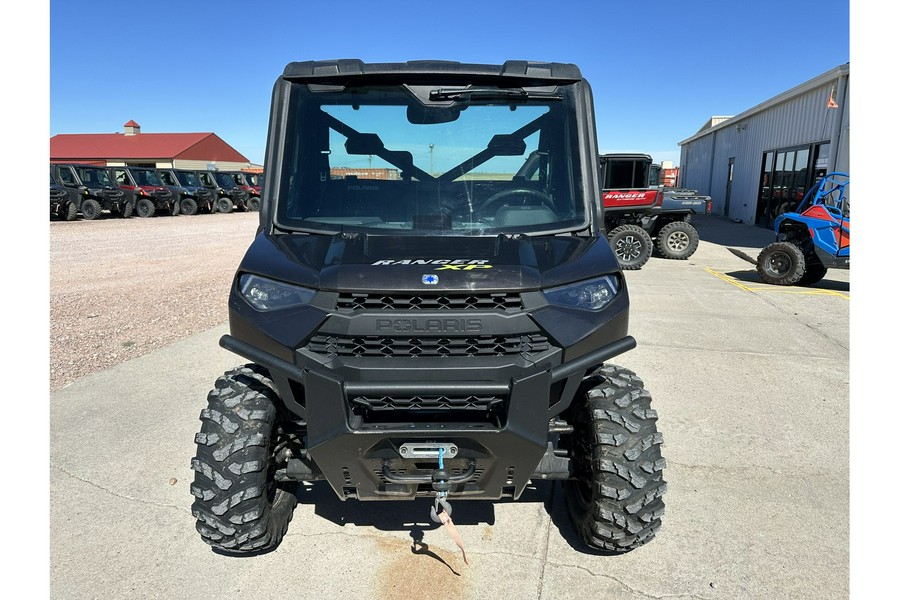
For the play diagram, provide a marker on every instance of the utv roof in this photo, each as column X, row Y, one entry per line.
column 626, row 156
column 520, row 72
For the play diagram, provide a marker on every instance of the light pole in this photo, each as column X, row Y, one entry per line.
column 431, row 159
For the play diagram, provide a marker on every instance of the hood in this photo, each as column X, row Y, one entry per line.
column 360, row 262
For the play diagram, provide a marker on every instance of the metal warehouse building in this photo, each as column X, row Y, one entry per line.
column 761, row 162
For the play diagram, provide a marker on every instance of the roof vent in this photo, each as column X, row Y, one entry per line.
column 132, row 128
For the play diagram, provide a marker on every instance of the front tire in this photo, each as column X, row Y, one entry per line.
column 224, row 205
column 145, row 208
column 678, row 240
column 781, row 263
column 632, row 246
column 71, row 211
column 239, row 506
column 253, row 204
column 90, row 209
column 189, row 207
column 615, row 495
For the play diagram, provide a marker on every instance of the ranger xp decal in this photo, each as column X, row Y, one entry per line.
column 431, row 261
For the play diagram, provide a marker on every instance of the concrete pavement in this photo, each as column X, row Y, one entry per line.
column 751, row 383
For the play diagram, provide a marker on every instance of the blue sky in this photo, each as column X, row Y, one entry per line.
column 658, row 69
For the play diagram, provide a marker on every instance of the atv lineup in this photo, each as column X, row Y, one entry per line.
column 812, row 238
column 429, row 307
column 639, row 212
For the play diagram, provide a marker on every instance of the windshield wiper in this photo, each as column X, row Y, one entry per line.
column 489, row 94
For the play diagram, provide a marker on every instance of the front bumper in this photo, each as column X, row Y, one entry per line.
column 358, row 419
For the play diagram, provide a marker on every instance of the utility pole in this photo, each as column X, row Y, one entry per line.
column 431, row 159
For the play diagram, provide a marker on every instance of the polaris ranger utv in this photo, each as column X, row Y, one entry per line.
column 640, row 212
column 421, row 317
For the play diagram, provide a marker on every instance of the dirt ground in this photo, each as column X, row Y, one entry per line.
column 120, row 288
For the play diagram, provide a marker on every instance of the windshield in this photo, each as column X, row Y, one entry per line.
column 428, row 159
column 224, row 180
column 239, row 178
column 189, row 179
column 146, row 177
column 96, row 177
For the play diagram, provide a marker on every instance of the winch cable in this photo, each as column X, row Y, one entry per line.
column 440, row 512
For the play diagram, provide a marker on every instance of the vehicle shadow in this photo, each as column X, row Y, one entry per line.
column 413, row 516
column 715, row 229
column 398, row 515
column 752, row 277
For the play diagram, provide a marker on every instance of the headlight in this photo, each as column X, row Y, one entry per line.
column 266, row 294
column 593, row 294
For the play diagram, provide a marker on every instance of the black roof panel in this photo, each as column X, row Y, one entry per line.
column 339, row 70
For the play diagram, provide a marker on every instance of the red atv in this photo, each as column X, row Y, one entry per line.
column 638, row 211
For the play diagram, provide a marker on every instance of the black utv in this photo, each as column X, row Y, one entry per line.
column 145, row 191
column 428, row 308
column 193, row 197
column 229, row 197
column 63, row 201
column 95, row 187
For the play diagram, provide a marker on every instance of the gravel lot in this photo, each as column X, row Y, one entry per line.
column 120, row 288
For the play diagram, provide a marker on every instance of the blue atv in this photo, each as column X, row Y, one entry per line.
column 811, row 239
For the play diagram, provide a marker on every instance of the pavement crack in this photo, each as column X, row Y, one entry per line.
column 627, row 587
column 546, row 549
column 117, row 494
column 732, row 470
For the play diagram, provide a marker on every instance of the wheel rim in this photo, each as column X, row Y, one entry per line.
column 678, row 241
column 779, row 263
column 629, row 247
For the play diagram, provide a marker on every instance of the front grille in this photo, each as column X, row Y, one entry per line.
column 112, row 194
column 165, row 196
column 427, row 403
column 421, row 409
column 333, row 346
column 204, row 194
column 349, row 302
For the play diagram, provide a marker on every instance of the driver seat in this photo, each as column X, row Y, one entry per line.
column 518, row 216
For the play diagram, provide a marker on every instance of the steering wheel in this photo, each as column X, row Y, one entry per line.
column 498, row 197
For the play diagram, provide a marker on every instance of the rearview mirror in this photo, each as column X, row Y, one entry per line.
column 364, row 143
column 419, row 114
column 506, row 145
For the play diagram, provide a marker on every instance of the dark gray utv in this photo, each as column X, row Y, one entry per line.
column 428, row 308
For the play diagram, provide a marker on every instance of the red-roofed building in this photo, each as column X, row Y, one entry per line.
column 133, row 148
